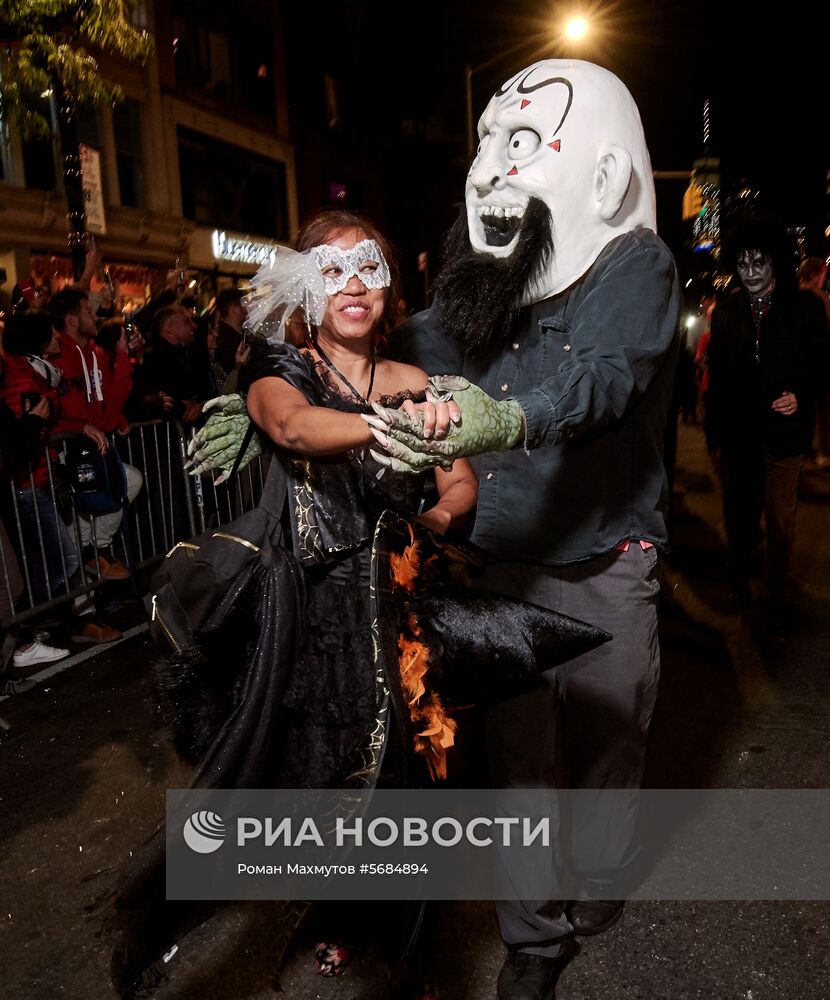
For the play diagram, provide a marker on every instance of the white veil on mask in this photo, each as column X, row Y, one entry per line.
column 289, row 281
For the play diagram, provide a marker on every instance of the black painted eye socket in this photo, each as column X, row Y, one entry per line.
column 755, row 261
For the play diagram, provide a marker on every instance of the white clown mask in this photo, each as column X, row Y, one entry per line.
column 568, row 133
column 365, row 261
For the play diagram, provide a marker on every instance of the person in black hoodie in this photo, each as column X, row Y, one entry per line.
column 174, row 368
column 769, row 361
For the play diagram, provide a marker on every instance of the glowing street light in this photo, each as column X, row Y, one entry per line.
column 574, row 29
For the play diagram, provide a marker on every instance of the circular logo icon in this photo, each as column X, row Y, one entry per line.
column 204, row 832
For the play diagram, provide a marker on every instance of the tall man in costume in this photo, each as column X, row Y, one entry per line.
column 556, row 310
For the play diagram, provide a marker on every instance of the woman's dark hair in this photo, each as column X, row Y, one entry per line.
column 108, row 335
column 316, row 230
column 27, row 332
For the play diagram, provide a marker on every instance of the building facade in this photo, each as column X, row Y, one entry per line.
column 195, row 165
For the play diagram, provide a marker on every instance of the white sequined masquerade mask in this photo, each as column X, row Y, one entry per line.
column 365, row 260
column 292, row 280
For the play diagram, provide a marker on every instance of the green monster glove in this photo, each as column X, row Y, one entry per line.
column 216, row 445
column 485, row 425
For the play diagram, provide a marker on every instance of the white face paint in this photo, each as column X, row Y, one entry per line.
column 568, row 133
column 754, row 268
column 365, row 261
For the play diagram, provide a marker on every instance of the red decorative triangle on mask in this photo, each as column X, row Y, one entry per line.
column 524, row 103
column 555, row 144
column 512, row 171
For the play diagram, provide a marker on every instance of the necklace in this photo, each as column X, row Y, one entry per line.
column 332, row 368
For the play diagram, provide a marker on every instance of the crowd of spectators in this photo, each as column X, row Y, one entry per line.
column 75, row 376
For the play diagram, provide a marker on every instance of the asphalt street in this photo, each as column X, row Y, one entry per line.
column 84, row 766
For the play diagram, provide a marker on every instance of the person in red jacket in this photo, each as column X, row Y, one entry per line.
column 30, row 388
column 92, row 398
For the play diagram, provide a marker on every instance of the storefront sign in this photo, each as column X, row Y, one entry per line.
column 230, row 246
column 93, row 192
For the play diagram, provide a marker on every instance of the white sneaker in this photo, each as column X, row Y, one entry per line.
column 38, row 652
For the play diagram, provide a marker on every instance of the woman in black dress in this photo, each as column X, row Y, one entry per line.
column 314, row 709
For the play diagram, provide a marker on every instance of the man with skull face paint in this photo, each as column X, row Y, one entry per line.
column 768, row 364
column 557, row 311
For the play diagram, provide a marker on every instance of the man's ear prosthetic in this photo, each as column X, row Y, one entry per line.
column 612, row 181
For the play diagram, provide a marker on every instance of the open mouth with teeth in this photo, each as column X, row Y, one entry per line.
column 500, row 225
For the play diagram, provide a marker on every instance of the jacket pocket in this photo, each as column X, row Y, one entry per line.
column 556, row 343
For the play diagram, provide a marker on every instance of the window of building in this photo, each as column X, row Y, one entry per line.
column 39, row 155
column 217, row 53
column 226, row 187
column 340, row 193
column 126, row 124
column 137, row 16
column 39, row 165
column 89, row 128
column 5, row 151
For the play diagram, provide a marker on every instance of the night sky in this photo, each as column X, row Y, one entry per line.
column 400, row 69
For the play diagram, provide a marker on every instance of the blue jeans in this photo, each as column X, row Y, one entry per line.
column 36, row 508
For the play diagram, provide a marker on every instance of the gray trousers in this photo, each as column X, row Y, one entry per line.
column 586, row 728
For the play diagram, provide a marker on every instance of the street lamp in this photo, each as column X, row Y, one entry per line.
column 574, row 29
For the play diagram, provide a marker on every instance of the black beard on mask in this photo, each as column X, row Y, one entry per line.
column 478, row 296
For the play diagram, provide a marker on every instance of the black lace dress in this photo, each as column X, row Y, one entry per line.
column 304, row 696
column 330, row 701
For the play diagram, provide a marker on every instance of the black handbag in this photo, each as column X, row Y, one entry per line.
column 199, row 581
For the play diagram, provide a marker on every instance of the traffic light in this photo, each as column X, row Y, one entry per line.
column 692, row 201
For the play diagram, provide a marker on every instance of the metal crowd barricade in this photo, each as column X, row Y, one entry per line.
column 172, row 506
column 217, row 505
column 179, row 506
column 32, row 514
